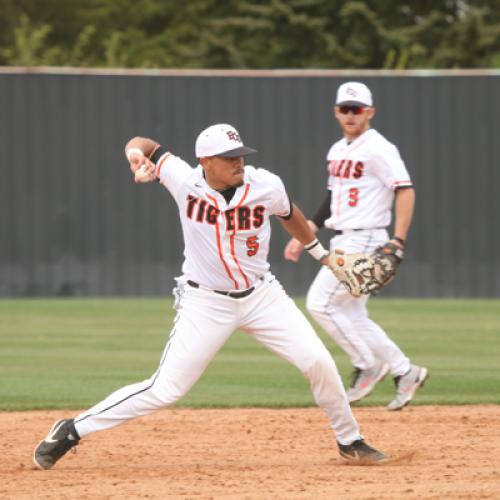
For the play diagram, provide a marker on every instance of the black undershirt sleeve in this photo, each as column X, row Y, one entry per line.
column 323, row 211
column 158, row 154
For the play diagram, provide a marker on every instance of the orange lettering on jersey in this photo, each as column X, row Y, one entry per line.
column 331, row 167
column 240, row 218
column 191, row 202
column 204, row 211
column 258, row 215
column 338, row 168
column 230, row 219
column 346, row 169
column 358, row 170
column 243, row 218
column 201, row 210
column 211, row 214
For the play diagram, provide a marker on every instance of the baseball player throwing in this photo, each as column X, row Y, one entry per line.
column 366, row 173
column 226, row 284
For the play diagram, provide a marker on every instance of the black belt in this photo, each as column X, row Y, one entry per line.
column 233, row 295
column 338, row 232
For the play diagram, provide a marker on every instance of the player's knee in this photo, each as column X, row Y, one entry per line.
column 317, row 363
column 167, row 394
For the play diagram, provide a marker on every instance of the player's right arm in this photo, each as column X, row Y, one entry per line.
column 150, row 161
column 138, row 152
column 147, row 146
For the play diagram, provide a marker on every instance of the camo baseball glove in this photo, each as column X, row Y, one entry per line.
column 386, row 260
column 365, row 274
column 354, row 270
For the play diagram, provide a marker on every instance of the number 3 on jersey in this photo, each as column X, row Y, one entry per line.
column 252, row 245
column 353, row 197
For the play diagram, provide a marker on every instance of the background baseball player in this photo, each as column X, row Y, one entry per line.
column 366, row 174
column 225, row 210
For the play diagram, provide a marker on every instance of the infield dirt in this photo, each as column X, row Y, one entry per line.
column 436, row 453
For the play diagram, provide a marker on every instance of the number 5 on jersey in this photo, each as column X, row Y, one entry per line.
column 252, row 245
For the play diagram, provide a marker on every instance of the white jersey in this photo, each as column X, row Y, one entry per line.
column 363, row 176
column 226, row 244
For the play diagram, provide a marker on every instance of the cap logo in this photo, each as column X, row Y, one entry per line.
column 233, row 136
column 351, row 91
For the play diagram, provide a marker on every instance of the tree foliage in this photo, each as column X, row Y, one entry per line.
column 251, row 33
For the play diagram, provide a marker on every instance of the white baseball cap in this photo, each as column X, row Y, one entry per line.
column 354, row 94
column 221, row 139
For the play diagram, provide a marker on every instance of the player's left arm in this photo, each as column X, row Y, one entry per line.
column 385, row 259
column 297, row 226
column 389, row 167
column 403, row 214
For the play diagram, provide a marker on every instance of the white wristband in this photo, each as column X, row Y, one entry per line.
column 316, row 250
column 133, row 151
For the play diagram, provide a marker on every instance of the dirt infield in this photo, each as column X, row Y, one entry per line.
column 436, row 452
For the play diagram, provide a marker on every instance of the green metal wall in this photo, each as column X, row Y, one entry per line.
column 73, row 223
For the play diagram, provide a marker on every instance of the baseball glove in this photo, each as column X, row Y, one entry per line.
column 365, row 274
column 386, row 260
column 355, row 271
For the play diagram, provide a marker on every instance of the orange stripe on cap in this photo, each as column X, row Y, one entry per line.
column 219, row 247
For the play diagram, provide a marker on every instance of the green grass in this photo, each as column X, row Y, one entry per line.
column 71, row 353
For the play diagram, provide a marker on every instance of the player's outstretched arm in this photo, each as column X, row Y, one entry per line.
column 302, row 231
column 138, row 152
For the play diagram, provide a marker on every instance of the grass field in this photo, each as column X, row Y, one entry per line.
column 71, row 353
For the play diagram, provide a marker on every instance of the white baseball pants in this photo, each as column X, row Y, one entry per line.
column 345, row 318
column 204, row 322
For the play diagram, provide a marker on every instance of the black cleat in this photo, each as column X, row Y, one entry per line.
column 60, row 439
column 359, row 451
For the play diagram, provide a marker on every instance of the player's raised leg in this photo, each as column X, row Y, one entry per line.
column 196, row 337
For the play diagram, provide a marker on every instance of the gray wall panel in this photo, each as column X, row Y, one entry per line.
column 73, row 223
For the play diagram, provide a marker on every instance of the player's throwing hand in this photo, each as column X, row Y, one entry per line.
column 143, row 168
